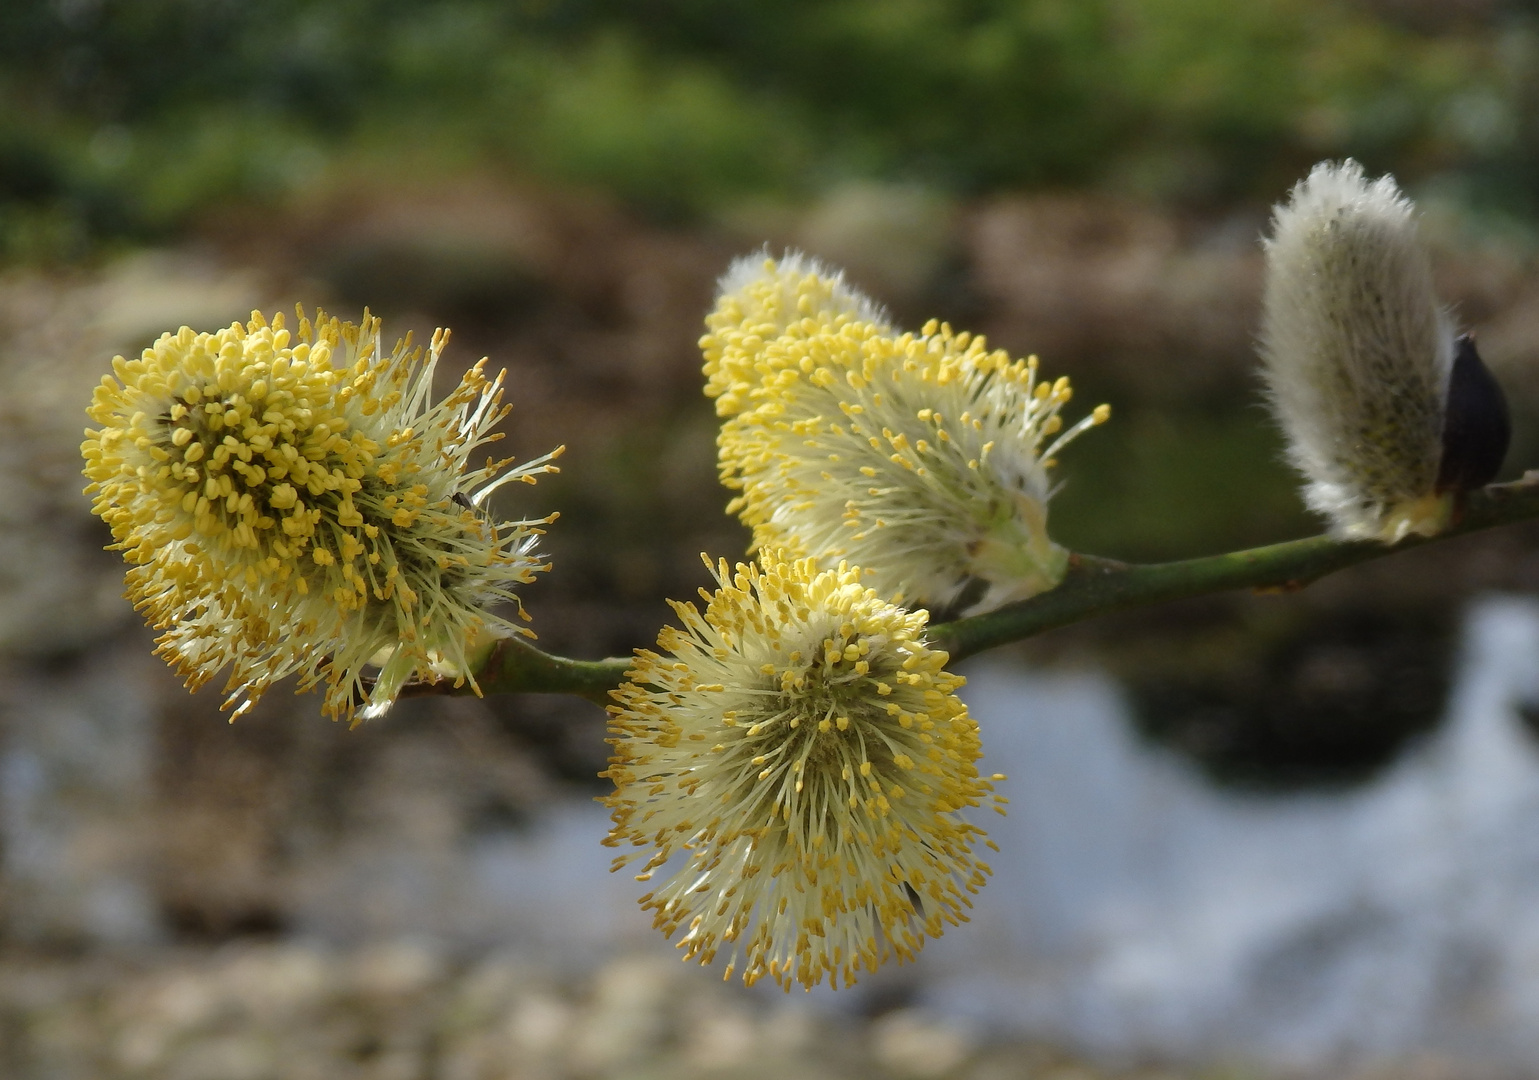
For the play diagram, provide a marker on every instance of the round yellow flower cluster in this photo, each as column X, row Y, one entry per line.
column 806, row 752
column 293, row 503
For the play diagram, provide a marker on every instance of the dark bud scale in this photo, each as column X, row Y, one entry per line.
column 1476, row 426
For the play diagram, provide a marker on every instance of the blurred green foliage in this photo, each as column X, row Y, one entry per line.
column 1186, row 481
column 126, row 118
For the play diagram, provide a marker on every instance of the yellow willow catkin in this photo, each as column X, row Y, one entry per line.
column 923, row 459
column 801, row 755
column 292, row 502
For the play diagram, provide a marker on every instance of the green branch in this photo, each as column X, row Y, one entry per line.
column 1100, row 586
column 1092, row 587
column 513, row 666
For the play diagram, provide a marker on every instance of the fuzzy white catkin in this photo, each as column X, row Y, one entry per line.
column 1357, row 353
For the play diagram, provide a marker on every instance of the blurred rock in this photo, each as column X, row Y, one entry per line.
column 723, row 1035
column 299, row 1012
column 628, row 1019
column 910, row 1043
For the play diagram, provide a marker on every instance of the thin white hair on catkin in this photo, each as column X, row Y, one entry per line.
column 789, row 270
column 1356, row 350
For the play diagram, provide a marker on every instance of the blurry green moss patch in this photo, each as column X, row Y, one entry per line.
column 126, row 119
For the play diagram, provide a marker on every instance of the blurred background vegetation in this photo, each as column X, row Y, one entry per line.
column 124, row 120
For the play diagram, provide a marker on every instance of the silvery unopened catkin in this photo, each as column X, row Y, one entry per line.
column 1358, row 354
